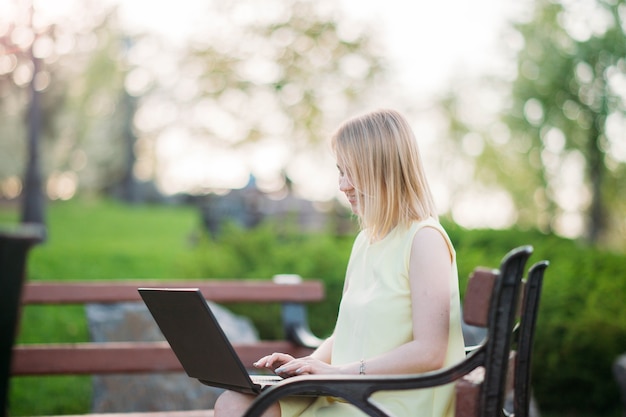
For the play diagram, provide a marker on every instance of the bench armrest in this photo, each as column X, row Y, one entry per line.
column 358, row 389
column 295, row 322
column 296, row 326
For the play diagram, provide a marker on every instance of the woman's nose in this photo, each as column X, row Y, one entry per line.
column 344, row 183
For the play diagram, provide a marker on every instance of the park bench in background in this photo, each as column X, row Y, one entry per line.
column 143, row 357
column 132, row 357
column 157, row 357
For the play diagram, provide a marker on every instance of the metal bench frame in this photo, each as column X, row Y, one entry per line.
column 492, row 354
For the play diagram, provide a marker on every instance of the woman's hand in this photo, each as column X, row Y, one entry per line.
column 286, row 366
column 273, row 361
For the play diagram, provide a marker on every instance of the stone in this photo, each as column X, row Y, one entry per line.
column 472, row 335
column 156, row 391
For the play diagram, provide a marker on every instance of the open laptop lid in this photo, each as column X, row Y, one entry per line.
column 196, row 338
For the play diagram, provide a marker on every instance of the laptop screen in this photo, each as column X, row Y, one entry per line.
column 198, row 341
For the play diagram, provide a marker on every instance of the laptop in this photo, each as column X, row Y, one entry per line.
column 199, row 342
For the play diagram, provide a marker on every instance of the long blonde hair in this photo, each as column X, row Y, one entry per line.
column 379, row 153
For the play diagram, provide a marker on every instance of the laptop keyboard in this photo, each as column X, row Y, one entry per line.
column 266, row 379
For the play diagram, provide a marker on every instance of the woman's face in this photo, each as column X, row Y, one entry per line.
column 346, row 187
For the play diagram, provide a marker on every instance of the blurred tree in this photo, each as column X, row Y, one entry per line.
column 96, row 125
column 28, row 69
column 33, row 199
column 280, row 71
column 66, row 78
column 570, row 88
column 565, row 116
column 252, row 73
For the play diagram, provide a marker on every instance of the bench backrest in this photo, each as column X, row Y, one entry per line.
column 477, row 298
column 501, row 323
column 517, row 384
column 220, row 291
column 491, row 301
column 140, row 357
column 524, row 338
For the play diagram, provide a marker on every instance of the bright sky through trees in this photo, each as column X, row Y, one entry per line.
column 426, row 43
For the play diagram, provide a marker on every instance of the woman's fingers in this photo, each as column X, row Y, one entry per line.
column 285, row 365
column 304, row 366
column 273, row 361
column 289, row 369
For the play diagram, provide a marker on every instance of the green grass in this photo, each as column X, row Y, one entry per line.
column 113, row 240
column 91, row 240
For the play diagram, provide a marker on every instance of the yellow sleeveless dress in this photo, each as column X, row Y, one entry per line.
column 375, row 317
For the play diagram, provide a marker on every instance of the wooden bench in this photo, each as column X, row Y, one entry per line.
column 517, row 384
column 146, row 357
column 155, row 357
column 129, row 357
column 491, row 301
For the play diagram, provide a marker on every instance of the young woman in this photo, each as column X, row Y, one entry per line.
column 400, row 309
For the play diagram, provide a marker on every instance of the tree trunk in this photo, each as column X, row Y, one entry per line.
column 129, row 189
column 32, row 194
column 596, row 219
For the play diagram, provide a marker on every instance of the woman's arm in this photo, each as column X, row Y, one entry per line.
column 325, row 350
column 429, row 275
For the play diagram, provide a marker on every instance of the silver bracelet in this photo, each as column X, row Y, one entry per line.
column 362, row 367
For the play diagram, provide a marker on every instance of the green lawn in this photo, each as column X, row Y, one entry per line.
column 90, row 241
column 113, row 241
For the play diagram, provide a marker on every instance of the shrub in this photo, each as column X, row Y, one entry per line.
column 581, row 328
column 269, row 250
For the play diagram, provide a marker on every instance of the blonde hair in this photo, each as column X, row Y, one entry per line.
column 379, row 153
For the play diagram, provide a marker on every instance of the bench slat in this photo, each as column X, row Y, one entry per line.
column 478, row 297
column 78, row 292
column 122, row 357
column 186, row 413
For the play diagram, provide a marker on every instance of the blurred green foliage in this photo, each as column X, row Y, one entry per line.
column 554, row 130
column 581, row 326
